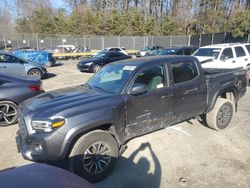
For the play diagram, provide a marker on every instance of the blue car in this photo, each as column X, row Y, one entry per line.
column 41, row 57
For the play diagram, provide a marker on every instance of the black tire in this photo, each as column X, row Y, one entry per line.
column 96, row 68
column 8, row 113
column 248, row 76
column 94, row 155
column 36, row 72
column 220, row 116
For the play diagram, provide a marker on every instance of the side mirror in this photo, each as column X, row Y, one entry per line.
column 138, row 89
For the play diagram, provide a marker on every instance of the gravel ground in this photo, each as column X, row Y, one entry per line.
column 187, row 155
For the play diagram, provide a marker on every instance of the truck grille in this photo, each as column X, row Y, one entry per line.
column 21, row 124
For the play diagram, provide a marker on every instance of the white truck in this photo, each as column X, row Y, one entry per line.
column 225, row 56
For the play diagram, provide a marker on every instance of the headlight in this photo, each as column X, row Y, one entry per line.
column 47, row 125
column 89, row 63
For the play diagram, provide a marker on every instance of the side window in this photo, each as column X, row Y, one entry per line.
column 183, row 71
column 239, row 51
column 187, row 51
column 248, row 48
column 119, row 54
column 179, row 52
column 153, row 77
column 5, row 58
column 226, row 54
column 117, row 49
column 111, row 55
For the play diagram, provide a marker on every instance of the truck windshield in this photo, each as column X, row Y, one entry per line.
column 111, row 78
column 208, row 52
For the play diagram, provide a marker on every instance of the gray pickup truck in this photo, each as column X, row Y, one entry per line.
column 88, row 125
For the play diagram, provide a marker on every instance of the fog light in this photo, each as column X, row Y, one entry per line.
column 37, row 148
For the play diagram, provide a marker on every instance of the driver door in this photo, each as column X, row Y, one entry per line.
column 152, row 110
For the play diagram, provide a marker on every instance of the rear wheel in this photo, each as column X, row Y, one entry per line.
column 220, row 116
column 93, row 155
column 35, row 72
column 248, row 76
column 8, row 113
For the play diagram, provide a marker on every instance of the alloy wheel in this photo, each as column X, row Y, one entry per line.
column 96, row 158
column 8, row 114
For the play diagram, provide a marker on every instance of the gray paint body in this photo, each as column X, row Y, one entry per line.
column 87, row 109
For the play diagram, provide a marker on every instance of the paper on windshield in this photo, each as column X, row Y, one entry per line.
column 129, row 67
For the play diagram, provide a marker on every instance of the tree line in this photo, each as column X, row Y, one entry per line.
column 129, row 17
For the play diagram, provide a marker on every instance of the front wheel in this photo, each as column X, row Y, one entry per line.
column 35, row 72
column 220, row 116
column 93, row 155
column 8, row 113
column 96, row 68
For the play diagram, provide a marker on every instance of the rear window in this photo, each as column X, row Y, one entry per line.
column 248, row 48
column 183, row 71
column 239, row 52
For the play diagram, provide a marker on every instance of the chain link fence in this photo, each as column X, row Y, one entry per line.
column 128, row 42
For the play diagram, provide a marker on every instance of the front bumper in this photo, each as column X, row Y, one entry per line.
column 85, row 68
column 38, row 146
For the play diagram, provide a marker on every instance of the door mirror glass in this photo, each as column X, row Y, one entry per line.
column 138, row 89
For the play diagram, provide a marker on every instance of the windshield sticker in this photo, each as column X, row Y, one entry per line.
column 131, row 68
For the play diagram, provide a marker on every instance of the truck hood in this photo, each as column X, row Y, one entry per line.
column 204, row 58
column 55, row 101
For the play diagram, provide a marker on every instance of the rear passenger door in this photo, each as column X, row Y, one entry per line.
column 190, row 90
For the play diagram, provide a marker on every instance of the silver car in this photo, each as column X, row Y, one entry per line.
column 14, row 66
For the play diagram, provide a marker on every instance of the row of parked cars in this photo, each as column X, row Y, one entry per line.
column 213, row 56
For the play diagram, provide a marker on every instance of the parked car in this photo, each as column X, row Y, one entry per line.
column 37, row 175
column 112, row 49
column 154, row 52
column 15, row 66
column 27, row 48
column 13, row 91
column 181, row 50
column 89, row 125
column 64, row 48
column 41, row 57
column 146, row 50
column 101, row 59
column 225, row 56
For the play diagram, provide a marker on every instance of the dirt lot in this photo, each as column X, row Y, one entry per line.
column 194, row 156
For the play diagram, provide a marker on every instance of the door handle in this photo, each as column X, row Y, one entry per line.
column 169, row 95
column 233, row 61
column 246, row 59
column 3, row 67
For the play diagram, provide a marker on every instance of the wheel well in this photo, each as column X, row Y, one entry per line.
column 229, row 95
column 106, row 127
column 9, row 101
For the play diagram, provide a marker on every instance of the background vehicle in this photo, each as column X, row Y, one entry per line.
column 112, row 49
column 90, row 124
column 14, row 66
column 40, row 176
column 101, row 59
column 14, row 90
column 148, row 50
column 182, row 50
column 64, row 48
column 225, row 56
column 41, row 57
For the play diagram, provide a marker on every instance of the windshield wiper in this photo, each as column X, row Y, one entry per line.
column 99, row 88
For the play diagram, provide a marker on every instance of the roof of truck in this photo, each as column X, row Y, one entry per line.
column 153, row 59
